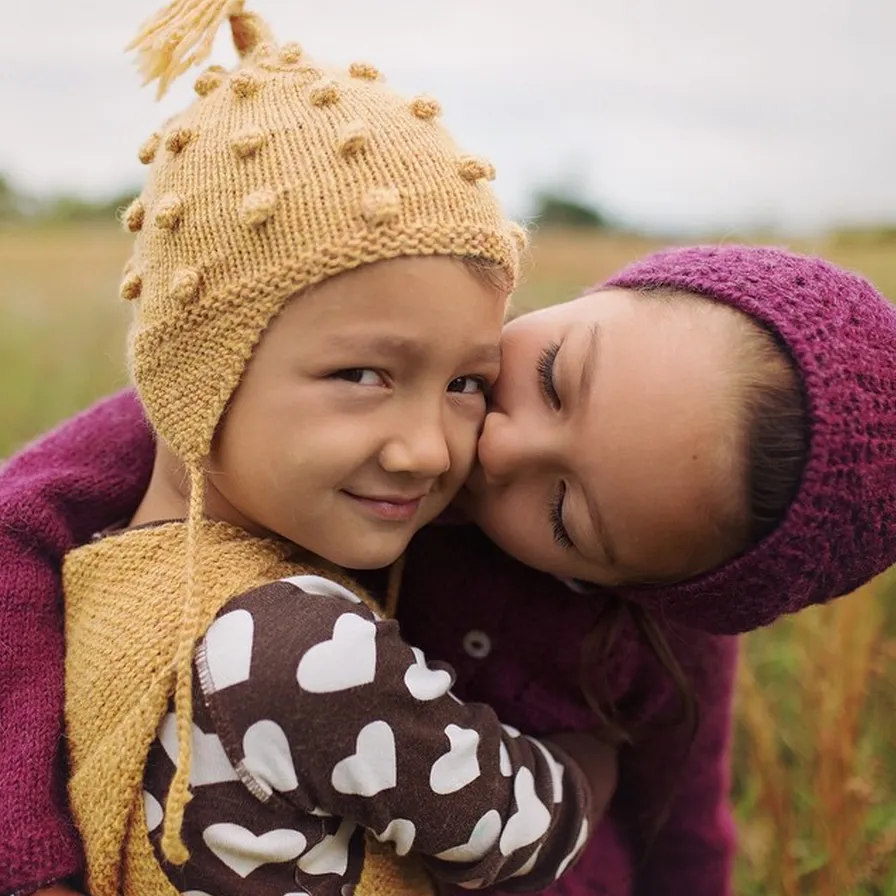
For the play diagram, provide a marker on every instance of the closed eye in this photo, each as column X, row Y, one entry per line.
column 545, row 367
column 555, row 515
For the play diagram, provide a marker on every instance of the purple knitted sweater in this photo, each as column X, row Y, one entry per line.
column 513, row 636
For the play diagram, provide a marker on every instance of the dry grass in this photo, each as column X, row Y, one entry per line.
column 815, row 756
column 815, row 762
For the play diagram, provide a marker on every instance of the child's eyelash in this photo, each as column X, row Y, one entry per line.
column 555, row 514
column 545, row 367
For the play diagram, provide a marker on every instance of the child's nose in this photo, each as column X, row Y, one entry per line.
column 421, row 450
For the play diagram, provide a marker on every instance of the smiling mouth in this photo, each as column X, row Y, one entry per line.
column 391, row 508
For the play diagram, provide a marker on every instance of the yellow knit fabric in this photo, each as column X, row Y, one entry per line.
column 122, row 634
column 283, row 173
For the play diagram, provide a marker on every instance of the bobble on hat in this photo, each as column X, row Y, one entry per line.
column 247, row 143
column 150, row 147
column 425, row 107
column 353, row 138
column 245, row 83
column 131, row 286
column 169, row 212
column 365, row 71
column 324, row 93
column 209, row 80
column 178, row 139
column 133, row 216
column 473, row 169
column 258, row 207
column 290, row 54
column 381, row 205
column 185, row 285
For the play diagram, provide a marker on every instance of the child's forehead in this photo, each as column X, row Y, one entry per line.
column 407, row 306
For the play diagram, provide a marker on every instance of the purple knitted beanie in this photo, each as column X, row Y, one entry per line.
column 840, row 529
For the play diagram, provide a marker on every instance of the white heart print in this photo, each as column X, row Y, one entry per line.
column 424, row 683
column 580, row 842
column 485, row 835
column 460, row 765
column 555, row 767
column 209, row 765
column 531, row 819
column 242, row 851
column 401, row 833
column 152, row 808
column 323, row 587
column 227, row 647
column 267, row 757
column 529, row 864
column 372, row 768
column 347, row 660
column 504, row 760
column 330, row 856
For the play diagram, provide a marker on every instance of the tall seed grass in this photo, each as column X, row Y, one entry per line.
column 816, row 750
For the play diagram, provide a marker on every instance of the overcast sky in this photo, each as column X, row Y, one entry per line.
column 674, row 114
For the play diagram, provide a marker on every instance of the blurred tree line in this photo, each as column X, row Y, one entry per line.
column 556, row 208
column 550, row 208
column 17, row 206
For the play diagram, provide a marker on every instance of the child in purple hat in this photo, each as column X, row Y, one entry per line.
column 517, row 638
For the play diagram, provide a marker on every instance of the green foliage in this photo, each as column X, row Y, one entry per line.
column 17, row 207
column 9, row 199
column 555, row 209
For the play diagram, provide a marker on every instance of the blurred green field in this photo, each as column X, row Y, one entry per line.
column 815, row 758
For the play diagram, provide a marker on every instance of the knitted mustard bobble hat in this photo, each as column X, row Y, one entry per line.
column 282, row 173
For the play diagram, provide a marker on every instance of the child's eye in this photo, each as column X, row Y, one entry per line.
column 362, row 376
column 555, row 515
column 545, row 367
column 469, row 385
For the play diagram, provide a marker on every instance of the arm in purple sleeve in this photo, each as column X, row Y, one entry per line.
column 80, row 478
column 694, row 849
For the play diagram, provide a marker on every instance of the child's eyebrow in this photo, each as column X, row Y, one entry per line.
column 390, row 344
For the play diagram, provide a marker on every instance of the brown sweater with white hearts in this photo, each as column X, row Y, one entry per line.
column 314, row 723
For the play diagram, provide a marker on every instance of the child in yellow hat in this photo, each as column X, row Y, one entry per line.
column 319, row 279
